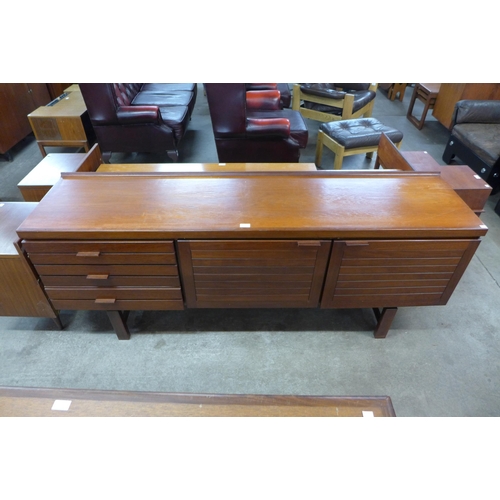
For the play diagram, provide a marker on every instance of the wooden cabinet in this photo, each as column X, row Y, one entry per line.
column 451, row 93
column 64, row 123
column 17, row 100
column 374, row 239
column 20, row 292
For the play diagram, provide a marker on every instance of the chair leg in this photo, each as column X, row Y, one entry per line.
column 319, row 149
column 339, row 158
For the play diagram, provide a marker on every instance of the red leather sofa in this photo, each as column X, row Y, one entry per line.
column 139, row 117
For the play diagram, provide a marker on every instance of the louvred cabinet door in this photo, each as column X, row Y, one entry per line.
column 395, row 273
column 253, row 273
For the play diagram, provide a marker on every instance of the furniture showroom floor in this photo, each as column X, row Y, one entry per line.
column 435, row 361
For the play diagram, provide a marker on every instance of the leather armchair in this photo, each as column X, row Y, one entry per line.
column 139, row 117
column 250, row 126
column 475, row 130
column 327, row 102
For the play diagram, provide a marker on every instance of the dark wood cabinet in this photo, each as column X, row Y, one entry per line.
column 17, row 100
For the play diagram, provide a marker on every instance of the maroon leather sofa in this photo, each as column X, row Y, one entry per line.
column 139, row 117
column 251, row 126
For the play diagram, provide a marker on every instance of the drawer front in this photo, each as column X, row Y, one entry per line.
column 109, row 280
column 113, row 293
column 110, row 270
column 119, row 305
column 74, row 247
column 100, row 252
column 253, row 273
column 395, row 273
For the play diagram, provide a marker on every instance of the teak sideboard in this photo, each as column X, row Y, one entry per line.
column 122, row 242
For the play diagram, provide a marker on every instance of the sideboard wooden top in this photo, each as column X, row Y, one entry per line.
column 251, row 205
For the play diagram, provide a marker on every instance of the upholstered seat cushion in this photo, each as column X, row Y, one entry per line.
column 168, row 87
column 177, row 118
column 362, row 96
column 361, row 132
column 480, row 138
column 298, row 128
column 162, row 100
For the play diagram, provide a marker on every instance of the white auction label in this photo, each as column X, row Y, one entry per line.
column 61, row 405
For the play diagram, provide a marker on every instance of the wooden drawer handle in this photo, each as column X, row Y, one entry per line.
column 309, row 243
column 357, row 244
column 105, row 301
column 97, row 276
column 88, row 254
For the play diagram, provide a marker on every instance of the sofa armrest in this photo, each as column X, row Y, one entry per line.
column 480, row 111
column 137, row 114
column 257, row 127
column 263, row 99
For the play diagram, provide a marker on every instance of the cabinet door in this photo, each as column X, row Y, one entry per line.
column 394, row 273
column 256, row 273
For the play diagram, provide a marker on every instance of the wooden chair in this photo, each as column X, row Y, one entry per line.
column 328, row 102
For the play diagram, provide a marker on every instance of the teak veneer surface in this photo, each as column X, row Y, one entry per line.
column 276, row 205
column 205, row 167
column 34, row 402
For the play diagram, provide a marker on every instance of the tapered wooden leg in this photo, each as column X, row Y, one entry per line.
column 118, row 320
column 384, row 319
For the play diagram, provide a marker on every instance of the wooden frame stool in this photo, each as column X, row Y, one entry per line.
column 353, row 137
column 427, row 93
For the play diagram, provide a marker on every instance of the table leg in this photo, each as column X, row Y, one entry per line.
column 384, row 321
column 119, row 321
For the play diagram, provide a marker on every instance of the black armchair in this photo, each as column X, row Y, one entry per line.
column 475, row 138
column 250, row 126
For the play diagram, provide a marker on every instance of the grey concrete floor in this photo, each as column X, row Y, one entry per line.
column 435, row 361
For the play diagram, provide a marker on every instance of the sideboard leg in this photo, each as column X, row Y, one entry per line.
column 118, row 320
column 384, row 319
column 58, row 322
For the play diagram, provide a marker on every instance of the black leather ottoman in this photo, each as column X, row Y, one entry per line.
column 352, row 137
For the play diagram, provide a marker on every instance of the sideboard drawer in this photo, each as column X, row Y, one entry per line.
column 100, row 252
column 113, row 293
column 119, row 305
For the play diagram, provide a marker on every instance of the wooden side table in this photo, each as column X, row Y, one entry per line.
column 64, row 122
column 427, row 93
column 42, row 178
